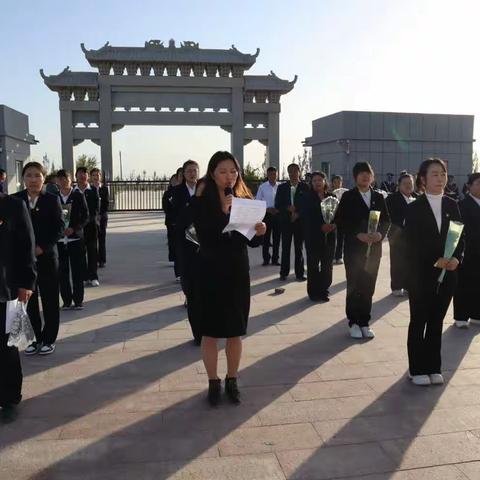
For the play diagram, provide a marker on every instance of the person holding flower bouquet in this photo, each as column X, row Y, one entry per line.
column 430, row 220
column 320, row 236
column 363, row 216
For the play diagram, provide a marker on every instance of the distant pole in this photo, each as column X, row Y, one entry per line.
column 121, row 168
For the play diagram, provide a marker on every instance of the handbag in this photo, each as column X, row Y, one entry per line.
column 21, row 331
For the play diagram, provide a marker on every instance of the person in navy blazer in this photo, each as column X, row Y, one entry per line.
column 17, row 280
column 426, row 226
column 397, row 204
column 352, row 218
column 288, row 201
column 466, row 301
column 46, row 214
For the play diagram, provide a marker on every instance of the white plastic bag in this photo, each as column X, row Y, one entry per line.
column 21, row 331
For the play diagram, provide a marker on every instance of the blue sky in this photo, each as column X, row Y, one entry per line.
column 418, row 56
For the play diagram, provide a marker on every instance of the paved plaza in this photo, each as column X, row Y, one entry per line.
column 123, row 397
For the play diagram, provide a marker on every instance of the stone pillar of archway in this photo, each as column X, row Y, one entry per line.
column 66, row 130
column 237, row 134
column 106, row 127
column 273, row 142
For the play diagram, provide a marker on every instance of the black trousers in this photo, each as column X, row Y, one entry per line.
column 398, row 264
column 319, row 268
column 339, row 247
column 72, row 260
column 466, row 301
column 361, row 279
column 47, row 290
column 271, row 238
column 170, row 242
column 91, row 243
column 292, row 230
column 427, row 311
column 188, row 264
column 10, row 368
column 102, row 237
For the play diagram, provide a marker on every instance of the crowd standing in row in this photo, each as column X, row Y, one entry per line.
column 415, row 213
column 52, row 239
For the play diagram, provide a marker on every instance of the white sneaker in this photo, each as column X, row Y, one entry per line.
column 47, row 349
column 474, row 321
column 367, row 332
column 461, row 323
column 95, row 283
column 421, row 380
column 397, row 293
column 355, row 331
column 436, row 379
column 87, row 283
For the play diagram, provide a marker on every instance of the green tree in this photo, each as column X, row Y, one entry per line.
column 86, row 161
column 251, row 174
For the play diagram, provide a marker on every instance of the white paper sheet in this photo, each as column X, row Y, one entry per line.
column 244, row 215
column 10, row 314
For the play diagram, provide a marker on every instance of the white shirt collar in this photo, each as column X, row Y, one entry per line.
column 88, row 187
column 409, row 199
column 367, row 197
column 191, row 190
column 32, row 202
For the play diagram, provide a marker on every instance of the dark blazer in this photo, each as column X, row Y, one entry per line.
column 79, row 214
column 47, row 220
column 425, row 244
column 167, row 205
column 312, row 220
column 470, row 211
column 93, row 201
column 104, row 199
column 397, row 208
column 180, row 198
column 352, row 218
column 17, row 248
column 283, row 199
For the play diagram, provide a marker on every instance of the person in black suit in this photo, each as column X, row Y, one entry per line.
column 47, row 221
column 223, row 272
column 3, row 180
column 17, row 280
column 466, row 301
column 91, row 228
column 186, row 251
column 319, row 239
column 397, row 207
column 426, row 225
column 353, row 217
column 71, row 248
column 287, row 202
column 96, row 176
column 389, row 185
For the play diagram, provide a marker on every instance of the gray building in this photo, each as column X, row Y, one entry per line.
column 391, row 142
column 15, row 141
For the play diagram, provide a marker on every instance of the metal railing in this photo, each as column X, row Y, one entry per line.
column 144, row 195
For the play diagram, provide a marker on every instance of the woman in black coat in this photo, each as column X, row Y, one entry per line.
column 71, row 248
column 426, row 225
column 223, row 271
column 466, row 302
column 397, row 204
column 320, row 239
column 46, row 214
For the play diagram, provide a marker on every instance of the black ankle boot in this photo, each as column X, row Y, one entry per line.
column 214, row 392
column 231, row 389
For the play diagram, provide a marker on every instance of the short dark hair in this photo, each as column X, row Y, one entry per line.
column 405, row 175
column 271, row 169
column 179, row 170
column 62, row 173
column 360, row 167
column 2, row 171
column 36, row 165
column 324, row 176
column 426, row 164
column 337, row 177
column 188, row 163
column 81, row 169
column 293, row 165
column 95, row 170
column 473, row 177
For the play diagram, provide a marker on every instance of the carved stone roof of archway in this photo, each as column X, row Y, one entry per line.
column 67, row 78
column 156, row 51
column 269, row 82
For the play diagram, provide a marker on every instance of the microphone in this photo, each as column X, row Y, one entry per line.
column 228, row 191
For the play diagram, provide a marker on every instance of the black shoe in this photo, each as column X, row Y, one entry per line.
column 78, row 306
column 231, row 389
column 301, row 279
column 265, row 264
column 101, row 265
column 324, row 298
column 214, row 392
column 276, row 264
column 283, row 278
column 9, row 414
column 197, row 341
